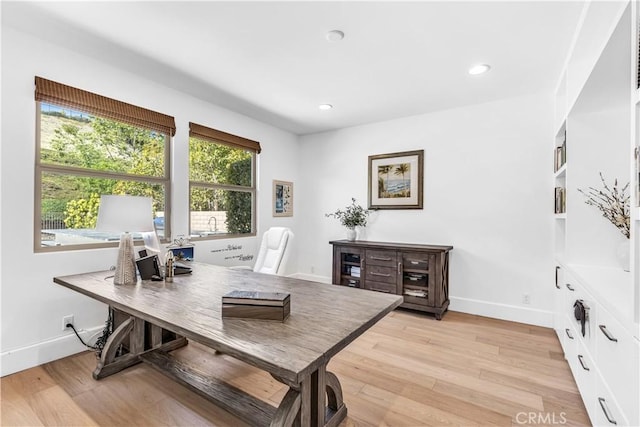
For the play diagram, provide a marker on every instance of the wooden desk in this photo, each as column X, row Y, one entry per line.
column 324, row 319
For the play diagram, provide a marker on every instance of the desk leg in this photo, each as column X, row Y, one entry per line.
column 133, row 328
column 316, row 401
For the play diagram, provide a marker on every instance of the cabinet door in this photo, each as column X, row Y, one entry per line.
column 417, row 282
column 348, row 266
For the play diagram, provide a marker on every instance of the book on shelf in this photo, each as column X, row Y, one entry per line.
column 273, row 299
column 560, row 201
column 560, row 156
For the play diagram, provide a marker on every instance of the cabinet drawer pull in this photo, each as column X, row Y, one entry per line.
column 605, row 409
column 380, row 258
column 570, row 287
column 399, row 268
column 607, row 334
column 373, row 273
column 557, row 286
column 568, row 334
column 585, row 367
column 557, row 268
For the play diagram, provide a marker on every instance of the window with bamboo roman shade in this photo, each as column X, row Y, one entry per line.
column 222, row 183
column 88, row 145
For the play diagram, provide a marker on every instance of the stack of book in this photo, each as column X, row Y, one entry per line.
column 256, row 305
column 560, row 155
column 560, row 203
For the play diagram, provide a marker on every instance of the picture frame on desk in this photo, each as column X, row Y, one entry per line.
column 396, row 180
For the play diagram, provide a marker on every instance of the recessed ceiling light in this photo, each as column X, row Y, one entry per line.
column 479, row 69
column 335, row 35
column 325, row 106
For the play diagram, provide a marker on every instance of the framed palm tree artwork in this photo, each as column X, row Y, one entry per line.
column 395, row 180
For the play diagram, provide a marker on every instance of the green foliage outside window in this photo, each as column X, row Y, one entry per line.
column 97, row 144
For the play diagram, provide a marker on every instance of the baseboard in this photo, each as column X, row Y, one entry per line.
column 19, row 359
column 514, row 313
column 312, row 277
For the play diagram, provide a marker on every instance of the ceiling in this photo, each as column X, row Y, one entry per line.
column 271, row 60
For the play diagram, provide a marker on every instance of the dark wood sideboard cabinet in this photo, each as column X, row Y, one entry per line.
column 420, row 273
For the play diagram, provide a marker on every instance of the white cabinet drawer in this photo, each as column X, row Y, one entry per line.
column 607, row 412
column 585, row 373
column 576, row 291
column 617, row 359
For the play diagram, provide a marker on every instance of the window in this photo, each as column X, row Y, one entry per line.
column 89, row 145
column 222, row 189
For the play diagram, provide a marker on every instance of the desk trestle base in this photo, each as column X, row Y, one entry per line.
column 316, row 401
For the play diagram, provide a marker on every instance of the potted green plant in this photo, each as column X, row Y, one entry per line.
column 351, row 217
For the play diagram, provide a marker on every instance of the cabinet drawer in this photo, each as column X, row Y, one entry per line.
column 381, row 258
column 415, row 261
column 607, row 412
column 389, row 288
column 617, row 358
column 377, row 273
column 585, row 373
column 575, row 291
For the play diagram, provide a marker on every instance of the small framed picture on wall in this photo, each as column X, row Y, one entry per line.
column 282, row 198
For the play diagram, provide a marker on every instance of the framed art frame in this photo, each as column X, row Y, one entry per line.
column 282, row 198
column 395, row 180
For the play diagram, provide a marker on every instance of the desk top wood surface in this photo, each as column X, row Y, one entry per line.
column 324, row 318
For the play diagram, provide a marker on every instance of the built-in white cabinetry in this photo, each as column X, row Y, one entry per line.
column 597, row 132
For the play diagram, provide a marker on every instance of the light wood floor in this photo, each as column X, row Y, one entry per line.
column 408, row 370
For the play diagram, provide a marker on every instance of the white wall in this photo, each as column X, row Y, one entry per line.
column 487, row 192
column 32, row 305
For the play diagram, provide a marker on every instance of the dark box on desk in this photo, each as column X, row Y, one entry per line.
column 256, row 305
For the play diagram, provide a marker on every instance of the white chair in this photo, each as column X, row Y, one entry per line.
column 274, row 251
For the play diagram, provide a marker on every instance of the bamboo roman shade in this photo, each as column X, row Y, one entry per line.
column 68, row 96
column 203, row 132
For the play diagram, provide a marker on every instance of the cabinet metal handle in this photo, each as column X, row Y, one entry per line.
column 380, row 258
column 570, row 287
column 557, row 286
column 607, row 334
column 605, row 409
column 373, row 273
column 568, row 334
column 585, row 367
column 557, row 268
column 399, row 268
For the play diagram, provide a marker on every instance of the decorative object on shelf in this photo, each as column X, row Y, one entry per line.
column 351, row 217
column 125, row 214
column 282, row 198
column 613, row 202
column 395, row 180
column 182, row 248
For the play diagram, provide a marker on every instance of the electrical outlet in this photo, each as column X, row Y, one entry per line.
column 526, row 299
column 67, row 320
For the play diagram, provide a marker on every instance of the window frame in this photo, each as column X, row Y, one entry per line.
column 42, row 168
column 213, row 136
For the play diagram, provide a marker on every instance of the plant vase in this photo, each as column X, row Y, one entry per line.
column 351, row 234
column 623, row 255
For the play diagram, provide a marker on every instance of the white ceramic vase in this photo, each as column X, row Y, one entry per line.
column 351, row 234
